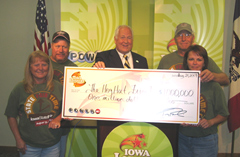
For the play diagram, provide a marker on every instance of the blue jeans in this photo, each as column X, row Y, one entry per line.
column 63, row 143
column 197, row 146
column 52, row 151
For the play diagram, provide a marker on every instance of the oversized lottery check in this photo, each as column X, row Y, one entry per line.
column 168, row 96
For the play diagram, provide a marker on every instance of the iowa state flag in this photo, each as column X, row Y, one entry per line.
column 234, row 95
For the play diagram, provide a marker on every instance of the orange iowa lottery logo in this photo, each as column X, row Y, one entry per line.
column 77, row 80
column 134, row 141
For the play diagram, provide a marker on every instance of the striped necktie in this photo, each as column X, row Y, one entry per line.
column 126, row 63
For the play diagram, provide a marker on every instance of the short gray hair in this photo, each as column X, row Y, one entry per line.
column 119, row 27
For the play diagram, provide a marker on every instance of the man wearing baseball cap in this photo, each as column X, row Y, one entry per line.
column 60, row 47
column 60, row 51
column 59, row 58
column 184, row 37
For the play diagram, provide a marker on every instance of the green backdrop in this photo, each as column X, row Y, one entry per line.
column 91, row 25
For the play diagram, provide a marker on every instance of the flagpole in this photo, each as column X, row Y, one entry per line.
column 232, row 149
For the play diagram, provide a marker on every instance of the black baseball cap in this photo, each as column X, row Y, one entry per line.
column 61, row 34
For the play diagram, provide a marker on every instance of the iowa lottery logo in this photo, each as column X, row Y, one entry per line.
column 137, row 139
column 134, row 141
column 77, row 80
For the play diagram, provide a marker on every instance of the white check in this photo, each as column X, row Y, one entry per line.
column 168, row 96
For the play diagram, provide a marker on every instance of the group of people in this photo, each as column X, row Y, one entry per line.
column 193, row 140
column 34, row 105
column 39, row 131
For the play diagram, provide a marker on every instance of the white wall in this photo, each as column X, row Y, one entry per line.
column 17, row 19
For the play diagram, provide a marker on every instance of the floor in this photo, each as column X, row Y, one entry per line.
column 9, row 154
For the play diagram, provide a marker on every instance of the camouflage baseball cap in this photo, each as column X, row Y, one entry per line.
column 183, row 26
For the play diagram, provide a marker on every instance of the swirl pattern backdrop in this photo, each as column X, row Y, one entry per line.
column 91, row 24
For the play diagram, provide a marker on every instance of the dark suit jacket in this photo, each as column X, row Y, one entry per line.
column 112, row 59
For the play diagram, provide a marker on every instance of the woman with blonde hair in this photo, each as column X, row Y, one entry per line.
column 36, row 101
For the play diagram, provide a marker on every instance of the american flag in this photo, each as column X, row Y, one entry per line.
column 41, row 33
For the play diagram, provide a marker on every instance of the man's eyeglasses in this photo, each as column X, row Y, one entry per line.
column 187, row 35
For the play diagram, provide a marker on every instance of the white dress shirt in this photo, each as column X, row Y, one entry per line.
column 130, row 59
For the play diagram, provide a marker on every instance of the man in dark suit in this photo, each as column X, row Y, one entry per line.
column 114, row 58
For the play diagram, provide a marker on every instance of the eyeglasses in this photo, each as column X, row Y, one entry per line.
column 187, row 35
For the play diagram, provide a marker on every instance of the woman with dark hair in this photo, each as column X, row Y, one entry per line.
column 202, row 139
column 200, row 52
column 36, row 101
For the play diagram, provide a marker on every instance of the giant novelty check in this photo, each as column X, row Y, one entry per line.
column 169, row 96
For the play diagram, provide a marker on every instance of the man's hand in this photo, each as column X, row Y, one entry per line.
column 99, row 65
column 206, row 76
column 221, row 78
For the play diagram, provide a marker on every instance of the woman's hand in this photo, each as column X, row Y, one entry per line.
column 21, row 146
column 186, row 124
column 66, row 118
column 204, row 123
column 55, row 123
